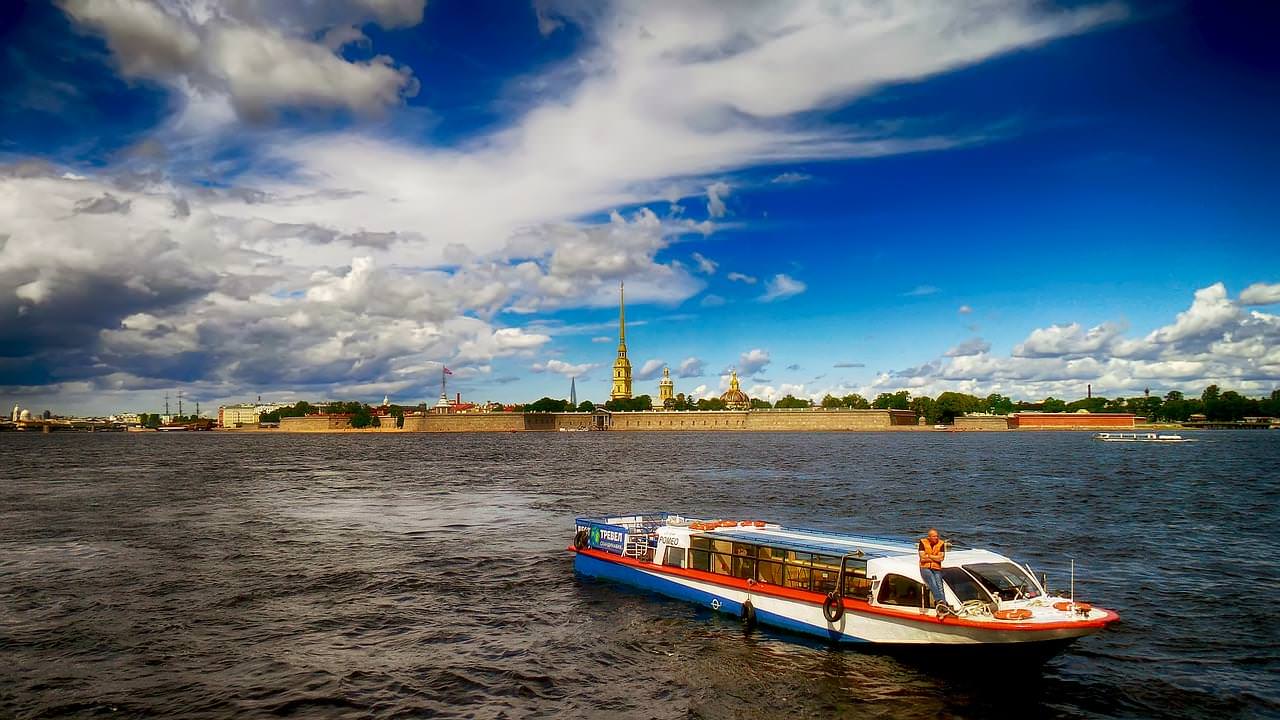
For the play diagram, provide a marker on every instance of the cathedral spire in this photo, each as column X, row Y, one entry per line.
column 621, row 366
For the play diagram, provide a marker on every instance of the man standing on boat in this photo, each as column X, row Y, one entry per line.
column 932, row 551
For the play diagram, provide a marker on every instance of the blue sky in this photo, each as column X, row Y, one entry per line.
column 330, row 199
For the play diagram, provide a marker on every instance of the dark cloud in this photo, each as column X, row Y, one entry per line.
column 108, row 203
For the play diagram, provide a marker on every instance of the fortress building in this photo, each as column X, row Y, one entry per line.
column 622, row 366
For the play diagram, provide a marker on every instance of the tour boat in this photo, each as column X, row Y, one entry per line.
column 1140, row 437
column 788, row 578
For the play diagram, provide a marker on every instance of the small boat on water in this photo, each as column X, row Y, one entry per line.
column 1140, row 437
column 843, row 588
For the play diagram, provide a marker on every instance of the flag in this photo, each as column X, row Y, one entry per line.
column 447, row 371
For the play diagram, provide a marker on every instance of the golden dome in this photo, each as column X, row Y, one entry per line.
column 734, row 398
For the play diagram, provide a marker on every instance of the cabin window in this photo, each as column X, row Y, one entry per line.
column 963, row 585
column 769, row 572
column 722, row 546
column 721, row 564
column 1005, row 579
column 856, row 584
column 700, row 543
column 899, row 590
column 744, row 549
column 700, row 560
column 768, row 553
column 675, row 556
column 744, row 567
column 797, row 576
column 825, row 571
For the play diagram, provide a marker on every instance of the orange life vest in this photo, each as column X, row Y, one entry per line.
column 938, row 548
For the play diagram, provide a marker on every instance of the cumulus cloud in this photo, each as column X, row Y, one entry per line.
column 752, row 361
column 965, row 310
column 711, row 300
column 739, row 277
column 650, row 369
column 972, row 346
column 1261, row 294
column 233, row 50
column 705, row 265
column 782, row 286
column 561, row 367
column 1214, row 341
column 691, row 367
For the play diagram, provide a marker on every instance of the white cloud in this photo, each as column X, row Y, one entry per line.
column 739, row 277
column 1213, row 341
column 782, row 286
column 1066, row 340
column 711, row 300
column 790, row 178
column 650, row 369
column 1261, row 294
column 561, row 367
column 691, row 367
column 716, row 193
column 849, row 365
column 705, row 265
column 972, row 346
column 602, row 339
column 965, row 310
column 921, row 290
column 752, row 361
column 243, row 55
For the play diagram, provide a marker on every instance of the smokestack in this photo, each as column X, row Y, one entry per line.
column 458, row 399
column 1090, row 391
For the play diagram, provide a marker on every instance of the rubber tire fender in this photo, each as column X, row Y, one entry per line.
column 748, row 614
column 832, row 608
column 580, row 539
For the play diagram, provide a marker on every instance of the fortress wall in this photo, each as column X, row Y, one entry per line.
column 829, row 420
column 466, row 422
column 702, row 420
column 315, row 423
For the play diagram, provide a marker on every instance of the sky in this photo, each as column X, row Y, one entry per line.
column 332, row 200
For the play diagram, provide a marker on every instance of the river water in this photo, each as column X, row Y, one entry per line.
column 221, row 575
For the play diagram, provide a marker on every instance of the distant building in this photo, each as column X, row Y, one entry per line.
column 621, row 366
column 734, row 398
column 666, row 388
column 234, row 416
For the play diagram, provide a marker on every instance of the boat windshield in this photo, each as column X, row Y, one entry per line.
column 1004, row 580
column 963, row 585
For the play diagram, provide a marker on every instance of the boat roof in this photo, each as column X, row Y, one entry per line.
column 821, row 542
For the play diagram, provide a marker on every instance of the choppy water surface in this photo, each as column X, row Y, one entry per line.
column 219, row 575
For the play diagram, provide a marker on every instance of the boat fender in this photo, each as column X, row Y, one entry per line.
column 832, row 608
column 1018, row 614
column 580, row 539
column 1080, row 606
column 748, row 614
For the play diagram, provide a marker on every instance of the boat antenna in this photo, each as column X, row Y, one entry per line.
column 1073, row 584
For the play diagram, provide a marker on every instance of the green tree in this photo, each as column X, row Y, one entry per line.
column 760, row 404
column 998, row 404
column 362, row 418
column 952, row 404
column 1054, row 405
column 855, row 401
column 830, row 401
column 153, row 421
column 547, row 404
column 792, row 402
column 900, row 400
column 714, row 403
column 586, row 406
column 925, row 407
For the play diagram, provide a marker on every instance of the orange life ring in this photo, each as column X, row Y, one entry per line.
column 744, row 523
column 758, row 523
column 1019, row 614
column 1082, row 607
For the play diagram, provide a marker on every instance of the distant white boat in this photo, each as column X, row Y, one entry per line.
column 1140, row 437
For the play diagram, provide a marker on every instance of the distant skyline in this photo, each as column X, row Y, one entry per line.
column 329, row 200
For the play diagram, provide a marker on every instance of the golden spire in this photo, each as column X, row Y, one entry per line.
column 622, row 366
column 733, row 380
